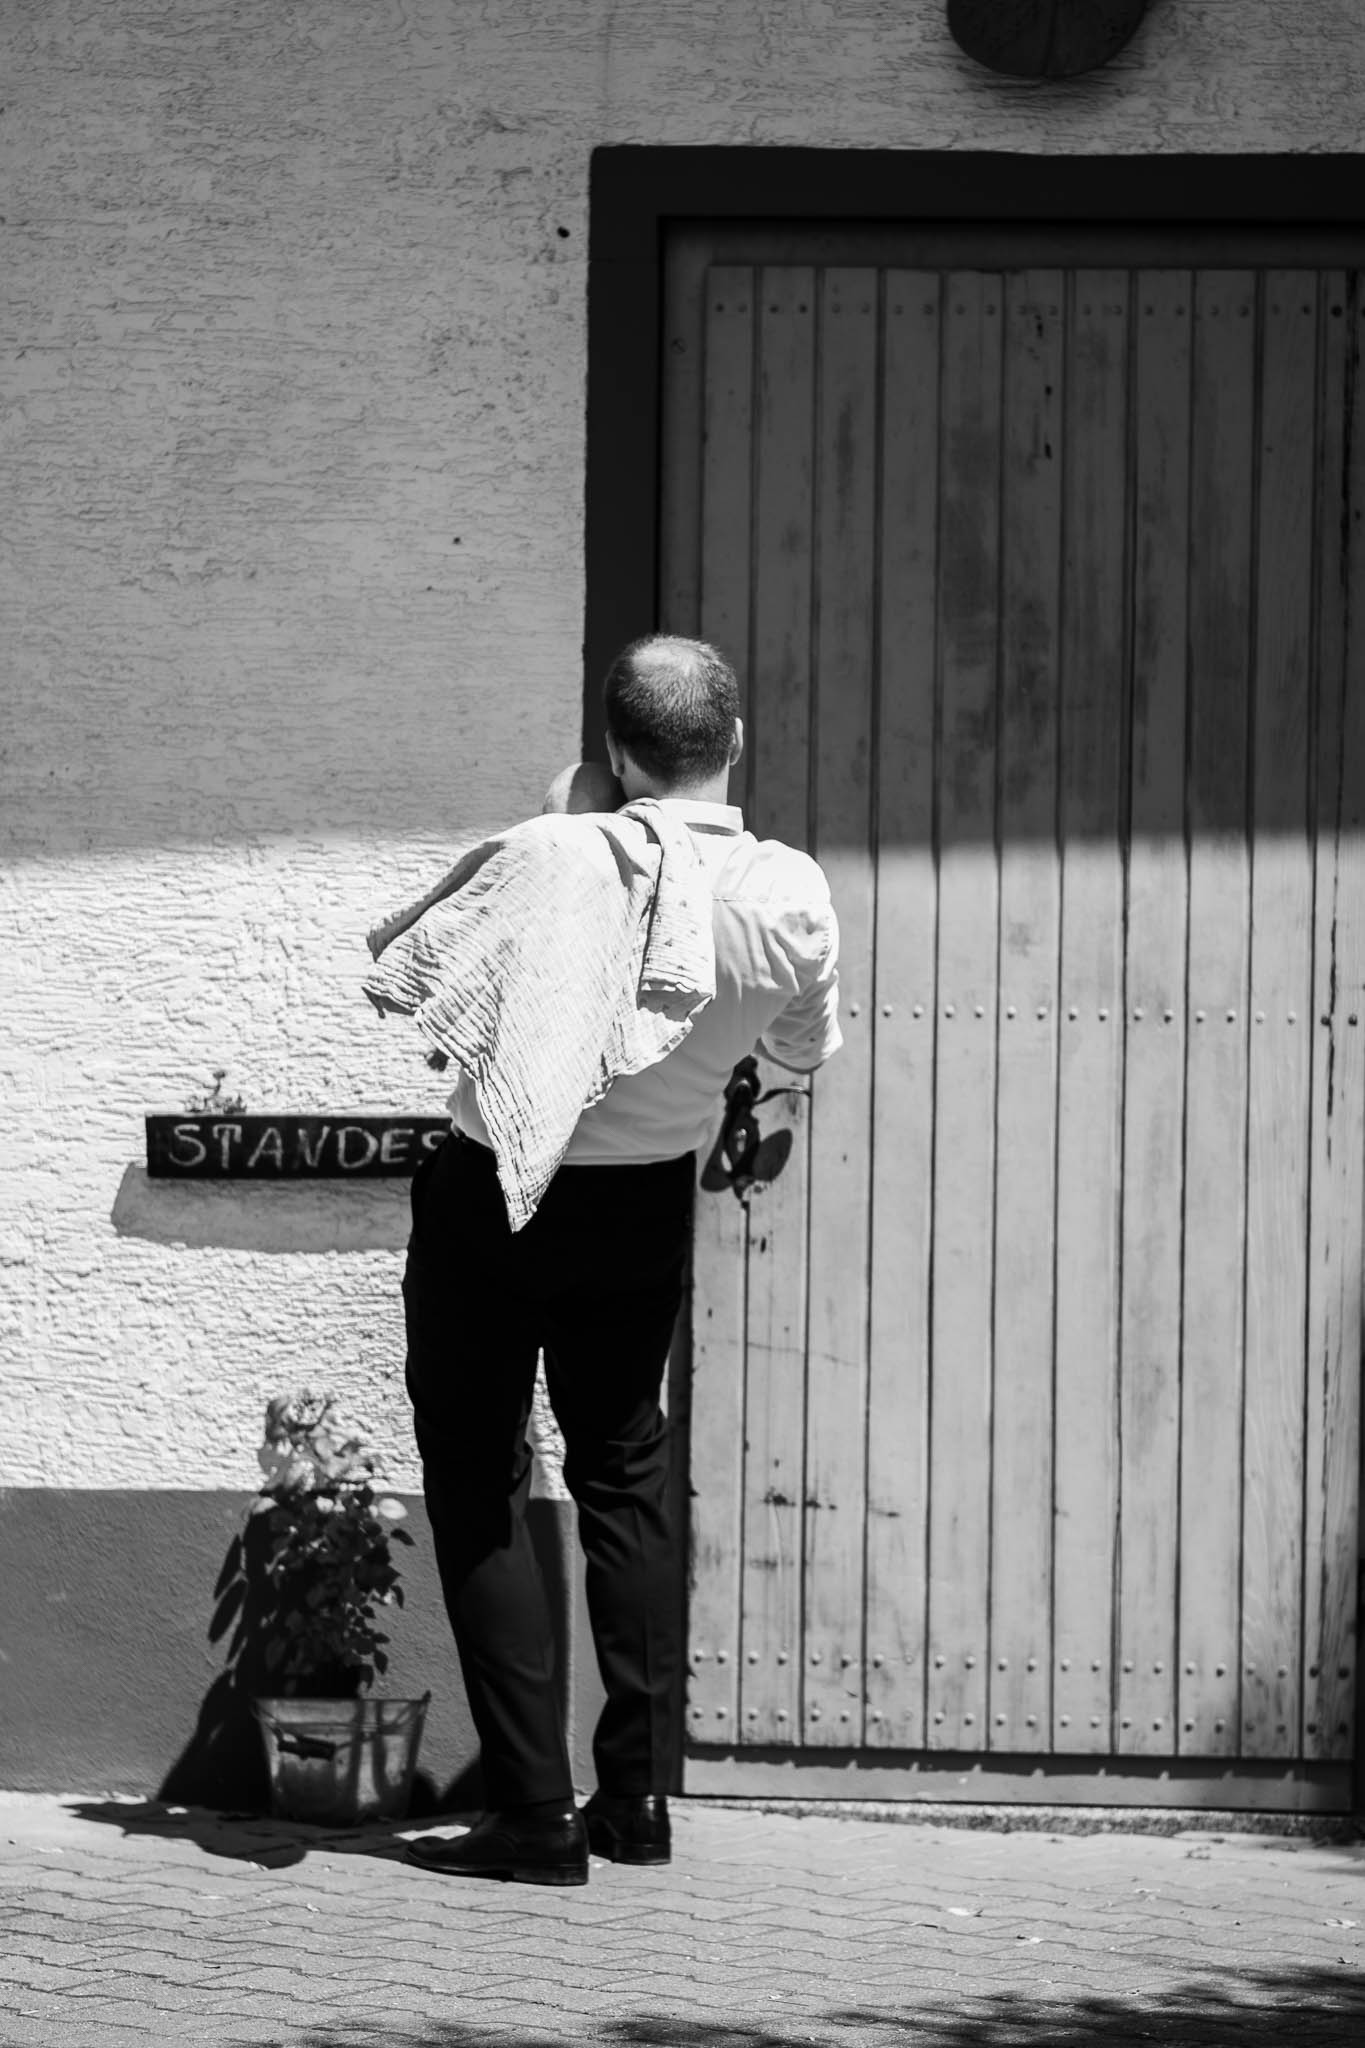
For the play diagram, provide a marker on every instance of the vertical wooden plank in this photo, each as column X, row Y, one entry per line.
column 903, row 1070
column 718, row 1313
column 841, row 1098
column 1223, row 431
column 1089, row 1107
column 964, row 1082
column 779, row 754
column 685, row 318
column 1154, row 1073
column 1021, row 1506
column 1332, row 1435
column 1278, row 1065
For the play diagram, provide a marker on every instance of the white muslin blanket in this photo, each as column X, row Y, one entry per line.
column 551, row 959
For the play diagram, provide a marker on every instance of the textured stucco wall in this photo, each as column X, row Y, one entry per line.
column 294, row 426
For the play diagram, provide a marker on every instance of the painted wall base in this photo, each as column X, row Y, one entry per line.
column 108, row 1682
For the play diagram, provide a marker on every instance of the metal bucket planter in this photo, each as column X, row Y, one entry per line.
column 340, row 1762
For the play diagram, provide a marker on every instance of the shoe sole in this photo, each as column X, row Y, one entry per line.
column 604, row 1841
column 508, row 1873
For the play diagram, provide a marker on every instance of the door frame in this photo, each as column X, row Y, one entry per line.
column 635, row 193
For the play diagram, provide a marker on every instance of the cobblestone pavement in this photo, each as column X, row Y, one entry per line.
column 126, row 1922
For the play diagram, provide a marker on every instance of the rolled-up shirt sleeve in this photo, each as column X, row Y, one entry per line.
column 806, row 1032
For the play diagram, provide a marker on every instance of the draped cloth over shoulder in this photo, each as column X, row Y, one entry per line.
column 552, row 959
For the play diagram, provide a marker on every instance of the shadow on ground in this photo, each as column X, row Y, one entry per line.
column 253, row 1837
column 1319, row 2008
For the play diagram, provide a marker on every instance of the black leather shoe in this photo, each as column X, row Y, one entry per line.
column 629, row 1830
column 518, row 1848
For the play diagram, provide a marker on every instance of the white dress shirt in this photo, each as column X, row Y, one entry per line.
column 777, row 990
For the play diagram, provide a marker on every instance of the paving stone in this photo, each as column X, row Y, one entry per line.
column 121, row 1921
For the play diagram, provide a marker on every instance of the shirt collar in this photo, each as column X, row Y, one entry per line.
column 702, row 817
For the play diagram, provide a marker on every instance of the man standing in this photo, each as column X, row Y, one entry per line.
column 595, row 1280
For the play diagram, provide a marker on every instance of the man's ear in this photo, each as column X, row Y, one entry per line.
column 616, row 756
column 737, row 743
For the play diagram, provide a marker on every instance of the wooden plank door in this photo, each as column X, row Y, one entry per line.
column 1025, row 1405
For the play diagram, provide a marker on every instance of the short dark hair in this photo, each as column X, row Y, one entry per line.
column 672, row 704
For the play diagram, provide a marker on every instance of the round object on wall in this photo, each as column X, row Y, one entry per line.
column 1044, row 38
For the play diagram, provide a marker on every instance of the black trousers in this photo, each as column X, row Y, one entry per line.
column 595, row 1279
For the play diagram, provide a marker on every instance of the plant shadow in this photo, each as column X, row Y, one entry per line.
column 222, row 1765
column 217, row 1793
column 264, row 1839
column 1308, row 2007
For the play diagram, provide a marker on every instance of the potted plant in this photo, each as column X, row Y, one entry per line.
column 317, row 1561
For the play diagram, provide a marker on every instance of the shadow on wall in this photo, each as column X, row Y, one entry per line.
column 296, row 739
column 222, row 1764
column 1319, row 2008
column 223, row 1761
column 111, row 1595
column 252, row 1216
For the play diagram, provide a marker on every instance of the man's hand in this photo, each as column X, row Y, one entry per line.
column 742, row 1158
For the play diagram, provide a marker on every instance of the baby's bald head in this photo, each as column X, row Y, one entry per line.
column 587, row 786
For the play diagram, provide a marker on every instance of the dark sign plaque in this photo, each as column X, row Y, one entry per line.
column 282, row 1147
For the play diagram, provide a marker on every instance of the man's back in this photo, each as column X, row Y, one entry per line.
column 592, row 1285
column 776, row 984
